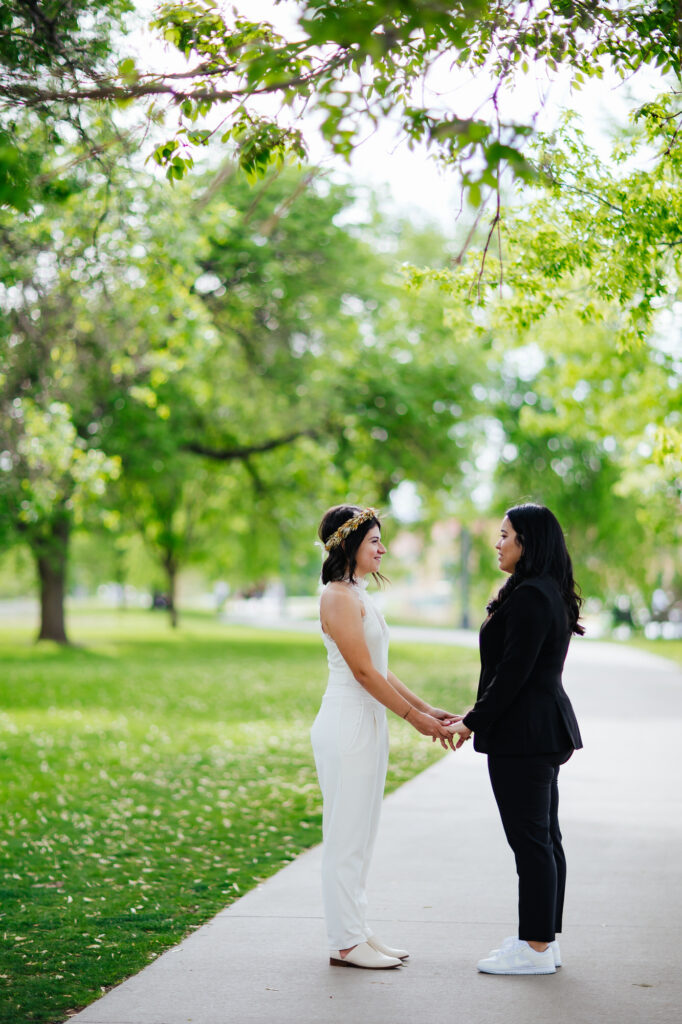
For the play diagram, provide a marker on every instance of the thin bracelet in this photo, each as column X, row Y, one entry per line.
column 409, row 708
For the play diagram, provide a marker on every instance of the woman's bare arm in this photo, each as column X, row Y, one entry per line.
column 341, row 618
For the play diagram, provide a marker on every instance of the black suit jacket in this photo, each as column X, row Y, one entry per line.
column 522, row 707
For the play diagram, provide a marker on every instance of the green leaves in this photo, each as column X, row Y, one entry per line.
column 261, row 144
column 353, row 63
column 591, row 278
column 15, row 174
column 192, row 27
column 128, row 71
column 56, row 465
column 42, row 52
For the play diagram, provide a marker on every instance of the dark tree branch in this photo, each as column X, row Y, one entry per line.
column 34, row 95
column 242, row 452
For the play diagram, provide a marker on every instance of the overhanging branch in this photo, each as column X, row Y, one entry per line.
column 241, row 452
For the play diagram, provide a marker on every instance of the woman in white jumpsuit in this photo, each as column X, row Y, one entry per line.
column 350, row 733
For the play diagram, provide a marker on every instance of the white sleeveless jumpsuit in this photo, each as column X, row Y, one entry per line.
column 350, row 744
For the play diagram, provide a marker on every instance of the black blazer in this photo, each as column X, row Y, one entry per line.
column 522, row 707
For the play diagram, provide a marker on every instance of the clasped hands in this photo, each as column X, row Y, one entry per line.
column 450, row 726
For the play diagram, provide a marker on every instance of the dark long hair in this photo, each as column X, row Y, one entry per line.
column 544, row 554
column 341, row 560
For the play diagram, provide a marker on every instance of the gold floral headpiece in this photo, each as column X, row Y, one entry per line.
column 351, row 524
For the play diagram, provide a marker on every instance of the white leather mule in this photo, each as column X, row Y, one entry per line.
column 364, row 955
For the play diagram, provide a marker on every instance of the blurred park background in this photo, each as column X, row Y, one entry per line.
column 209, row 334
column 192, row 372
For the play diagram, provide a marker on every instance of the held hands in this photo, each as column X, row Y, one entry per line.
column 455, row 728
column 439, row 725
column 460, row 730
column 430, row 725
column 449, row 720
column 444, row 716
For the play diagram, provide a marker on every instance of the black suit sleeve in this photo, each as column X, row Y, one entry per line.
column 528, row 622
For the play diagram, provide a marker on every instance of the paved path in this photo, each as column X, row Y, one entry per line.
column 443, row 884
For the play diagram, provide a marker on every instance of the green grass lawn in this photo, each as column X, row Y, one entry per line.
column 148, row 779
column 671, row 649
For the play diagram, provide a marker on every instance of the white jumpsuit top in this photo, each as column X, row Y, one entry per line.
column 350, row 744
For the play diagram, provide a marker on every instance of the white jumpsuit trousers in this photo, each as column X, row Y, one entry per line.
column 350, row 744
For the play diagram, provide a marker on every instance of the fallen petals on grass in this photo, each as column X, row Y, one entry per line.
column 148, row 779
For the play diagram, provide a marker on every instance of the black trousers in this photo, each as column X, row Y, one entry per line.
column 527, row 796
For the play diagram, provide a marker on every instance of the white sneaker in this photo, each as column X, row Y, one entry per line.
column 511, row 939
column 518, row 958
column 556, row 952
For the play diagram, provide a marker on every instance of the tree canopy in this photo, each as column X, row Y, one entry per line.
column 220, row 355
column 47, row 50
column 186, row 362
column 349, row 64
column 582, row 301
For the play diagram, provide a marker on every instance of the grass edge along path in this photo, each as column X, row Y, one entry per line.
column 148, row 779
column 670, row 649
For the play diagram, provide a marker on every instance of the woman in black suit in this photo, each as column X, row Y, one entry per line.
column 524, row 722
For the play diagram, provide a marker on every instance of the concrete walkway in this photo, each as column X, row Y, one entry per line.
column 443, row 884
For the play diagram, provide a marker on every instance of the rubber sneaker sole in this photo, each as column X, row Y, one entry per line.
column 515, row 970
column 516, row 957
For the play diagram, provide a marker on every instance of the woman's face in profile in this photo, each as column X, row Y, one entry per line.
column 508, row 547
column 368, row 557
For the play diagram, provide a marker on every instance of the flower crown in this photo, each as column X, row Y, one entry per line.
column 351, row 524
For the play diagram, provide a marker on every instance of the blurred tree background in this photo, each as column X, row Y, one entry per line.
column 190, row 375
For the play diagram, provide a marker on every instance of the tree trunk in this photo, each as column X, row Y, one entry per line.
column 50, row 550
column 120, row 578
column 171, row 574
